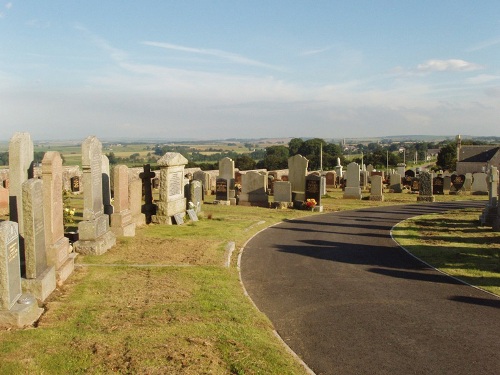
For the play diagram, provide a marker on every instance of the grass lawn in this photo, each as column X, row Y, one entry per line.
column 163, row 302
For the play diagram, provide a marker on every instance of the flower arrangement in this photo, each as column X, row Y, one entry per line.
column 68, row 213
column 310, row 203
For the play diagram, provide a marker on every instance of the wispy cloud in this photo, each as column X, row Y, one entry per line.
column 315, row 51
column 483, row 78
column 7, row 6
column 485, row 44
column 452, row 65
column 115, row 53
column 229, row 56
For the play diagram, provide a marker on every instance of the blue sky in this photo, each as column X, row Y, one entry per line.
column 249, row 69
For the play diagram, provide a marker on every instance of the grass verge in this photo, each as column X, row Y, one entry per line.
column 454, row 243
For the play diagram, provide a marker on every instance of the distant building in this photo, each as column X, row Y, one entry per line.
column 474, row 159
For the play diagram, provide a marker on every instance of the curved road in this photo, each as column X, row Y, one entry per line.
column 348, row 300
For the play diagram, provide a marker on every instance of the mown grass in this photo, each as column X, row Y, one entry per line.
column 163, row 302
column 454, row 243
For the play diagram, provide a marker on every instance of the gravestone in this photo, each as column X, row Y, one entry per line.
column 479, row 184
column 438, row 186
column 172, row 200
column 313, row 188
column 457, row 184
column 363, row 179
column 221, row 191
column 488, row 216
column 401, row 168
column 468, row 182
column 135, row 201
column 59, row 251
column 331, row 179
column 75, row 184
column 446, row 184
column 253, row 190
column 20, row 170
column 415, row 184
column 395, row 183
column 4, row 201
column 226, row 171
column 195, row 195
column 17, row 310
column 425, row 188
column 106, row 186
column 39, row 277
column 297, row 171
column 352, row 188
column 148, row 208
column 121, row 219
column 338, row 169
column 282, row 194
column 93, row 231
column 204, row 177
column 376, row 191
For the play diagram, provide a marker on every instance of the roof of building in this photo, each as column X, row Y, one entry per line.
column 478, row 154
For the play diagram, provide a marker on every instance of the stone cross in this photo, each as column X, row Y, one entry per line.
column 149, row 208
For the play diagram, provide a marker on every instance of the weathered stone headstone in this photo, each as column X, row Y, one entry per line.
column 446, row 184
column 226, row 170
column 4, row 201
column 148, row 208
column 488, row 216
column 479, row 184
column 195, row 195
column 297, row 171
column 172, row 200
column 94, row 234
column 313, row 188
column 282, row 194
column 468, row 182
column 395, row 183
column 16, row 309
column 57, row 245
column 121, row 219
column 106, row 186
column 363, row 179
column 40, row 278
column 376, row 191
column 20, row 169
column 204, row 177
column 352, row 188
column 331, row 179
column 338, row 169
column 135, row 201
column 438, row 186
column 253, row 190
column 425, row 188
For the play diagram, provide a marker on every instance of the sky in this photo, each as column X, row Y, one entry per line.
column 205, row 70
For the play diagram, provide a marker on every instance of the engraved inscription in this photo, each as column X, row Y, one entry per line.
column 175, row 185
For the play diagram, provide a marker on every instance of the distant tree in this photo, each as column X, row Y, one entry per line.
column 447, row 157
column 276, row 158
column 4, row 158
column 38, row 156
column 112, row 158
column 244, row 163
column 294, row 146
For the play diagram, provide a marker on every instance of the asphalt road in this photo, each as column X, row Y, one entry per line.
column 348, row 300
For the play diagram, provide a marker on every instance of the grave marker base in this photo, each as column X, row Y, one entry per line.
column 426, row 198
column 352, row 193
column 42, row 286
column 97, row 246
column 21, row 314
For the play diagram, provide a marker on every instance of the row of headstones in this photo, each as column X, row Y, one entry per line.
column 291, row 190
column 32, row 242
column 35, row 255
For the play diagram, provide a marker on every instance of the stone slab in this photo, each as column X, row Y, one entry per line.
column 24, row 313
column 42, row 286
column 97, row 246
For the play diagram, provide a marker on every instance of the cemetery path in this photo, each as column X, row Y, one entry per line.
column 348, row 300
